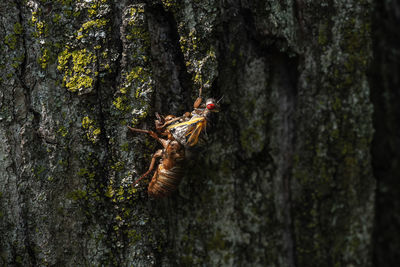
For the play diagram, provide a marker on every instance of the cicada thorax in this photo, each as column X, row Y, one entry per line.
column 169, row 172
column 188, row 132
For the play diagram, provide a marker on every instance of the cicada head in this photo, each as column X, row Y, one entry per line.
column 212, row 105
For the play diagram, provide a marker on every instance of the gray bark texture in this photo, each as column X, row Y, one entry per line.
column 287, row 174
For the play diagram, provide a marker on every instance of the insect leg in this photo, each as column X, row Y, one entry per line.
column 152, row 164
column 152, row 134
column 198, row 100
column 171, row 121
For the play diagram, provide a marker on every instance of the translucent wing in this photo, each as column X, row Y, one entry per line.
column 194, row 134
column 191, row 122
column 191, row 128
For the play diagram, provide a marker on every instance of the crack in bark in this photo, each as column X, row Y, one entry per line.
column 23, row 202
column 384, row 83
column 285, row 75
column 168, row 61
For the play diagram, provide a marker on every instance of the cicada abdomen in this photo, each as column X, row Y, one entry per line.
column 169, row 172
column 165, row 182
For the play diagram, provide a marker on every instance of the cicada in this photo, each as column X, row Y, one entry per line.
column 181, row 132
column 187, row 132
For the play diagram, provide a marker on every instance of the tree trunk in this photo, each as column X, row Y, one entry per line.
column 284, row 179
column 385, row 84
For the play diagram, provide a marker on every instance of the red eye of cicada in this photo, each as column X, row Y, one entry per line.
column 210, row 106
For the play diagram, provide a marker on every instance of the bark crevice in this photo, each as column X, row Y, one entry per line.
column 384, row 82
column 168, row 62
column 285, row 78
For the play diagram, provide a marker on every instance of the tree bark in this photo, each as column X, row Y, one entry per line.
column 285, row 177
column 384, row 80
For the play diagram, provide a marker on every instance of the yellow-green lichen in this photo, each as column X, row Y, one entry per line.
column 44, row 59
column 11, row 41
column 77, row 69
column 92, row 131
column 118, row 166
column 96, row 24
column 133, row 236
column 121, row 103
column 41, row 28
column 18, row 28
column 138, row 77
column 83, row 172
column 135, row 10
column 56, row 18
column 38, row 171
column 77, row 195
column 125, row 147
column 63, row 131
column 168, row 3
